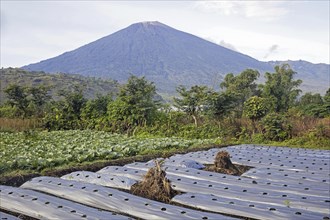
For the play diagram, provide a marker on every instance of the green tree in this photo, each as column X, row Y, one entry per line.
column 309, row 98
column 66, row 113
column 312, row 104
column 255, row 108
column 241, row 87
column 276, row 127
column 39, row 97
column 192, row 101
column 281, row 89
column 135, row 104
column 18, row 97
column 326, row 104
column 94, row 112
column 73, row 102
column 220, row 104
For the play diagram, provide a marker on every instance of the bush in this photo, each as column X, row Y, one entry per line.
column 7, row 111
column 275, row 127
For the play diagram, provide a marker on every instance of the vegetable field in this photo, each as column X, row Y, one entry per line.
column 39, row 150
column 283, row 183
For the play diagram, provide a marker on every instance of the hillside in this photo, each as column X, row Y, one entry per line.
column 166, row 56
column 57, row 82
column 316, row 77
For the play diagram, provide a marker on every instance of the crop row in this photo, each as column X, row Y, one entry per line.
column 39, row 150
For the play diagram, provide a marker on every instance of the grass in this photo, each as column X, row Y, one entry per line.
column 18, row 124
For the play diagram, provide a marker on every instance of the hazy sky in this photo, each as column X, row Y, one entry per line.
column 32, row 31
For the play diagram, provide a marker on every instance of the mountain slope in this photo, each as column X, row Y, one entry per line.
column 164, row 55
column 316, row 77
column 56, row 82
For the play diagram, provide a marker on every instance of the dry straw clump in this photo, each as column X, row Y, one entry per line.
column 223, row 164
column 155, row 185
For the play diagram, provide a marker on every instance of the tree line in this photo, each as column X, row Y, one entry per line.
column 198, row 111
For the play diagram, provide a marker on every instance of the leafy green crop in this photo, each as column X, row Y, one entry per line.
column 50, row 149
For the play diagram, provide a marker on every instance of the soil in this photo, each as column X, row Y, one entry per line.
column 223, row 164
column 17, row 180
column 155, row 185
column 19, row 216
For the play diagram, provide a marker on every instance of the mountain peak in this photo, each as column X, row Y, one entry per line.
column 162, row 54
column 149, row 24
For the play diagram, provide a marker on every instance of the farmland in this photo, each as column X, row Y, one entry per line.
column 283, row 183
column 40, row 150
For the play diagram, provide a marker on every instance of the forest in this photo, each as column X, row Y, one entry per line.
column 243, row 111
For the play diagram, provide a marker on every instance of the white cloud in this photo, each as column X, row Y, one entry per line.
column 227, row 45
column 271, row 50
column 267, row 10
column 221, row 43
column 257, row 44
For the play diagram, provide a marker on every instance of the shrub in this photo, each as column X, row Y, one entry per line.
column 275, row 127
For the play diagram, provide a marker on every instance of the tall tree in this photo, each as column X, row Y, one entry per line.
column 39, row 97
column 309, row 98
column 280, row 88
column 135, row 104
column 95, row 111
column 220, row 104
column 326, row 105
column 66, row 113
column 18, row 97
column 255, row 108
column 192, row 101
column 241, row 87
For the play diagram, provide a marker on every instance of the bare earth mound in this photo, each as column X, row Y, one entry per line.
column 223, row 164
column 155, row 185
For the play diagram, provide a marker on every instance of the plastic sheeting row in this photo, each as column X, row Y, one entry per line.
column 302, row 187
column 5, row 216
column 247, row 192
column 224, row 202
column 41, row 206
column 266, row 157
column 247, row 209
column 109, row 180
column 114, row 200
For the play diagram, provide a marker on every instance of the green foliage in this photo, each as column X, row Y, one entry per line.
column 241, row 87
column 281, row 89
column 312, row 105
column 326, row 105
column 55, row 83
column 220, row 105
column 65, row 114
column 135, row 104
column 18, row 98
column 192, row 101
column 255, row 108
column 38, row 100
column 8, row 111
column 36, row 151
column 94, row 112
column 275, row 127
column 309, row 98
column 26, row 101
column 135, row 109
